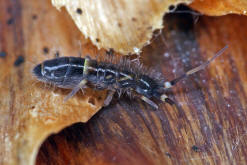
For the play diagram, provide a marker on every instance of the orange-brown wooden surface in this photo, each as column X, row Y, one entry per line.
column 220, row 7
column 207, row 125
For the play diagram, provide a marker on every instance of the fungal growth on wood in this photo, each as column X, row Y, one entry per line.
column 122, row 25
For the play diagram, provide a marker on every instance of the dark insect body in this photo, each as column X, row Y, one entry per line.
column 117, row 76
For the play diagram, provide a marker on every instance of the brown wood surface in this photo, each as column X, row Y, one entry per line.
column 206, row 126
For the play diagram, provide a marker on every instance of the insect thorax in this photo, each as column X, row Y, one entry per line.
column 111, row 76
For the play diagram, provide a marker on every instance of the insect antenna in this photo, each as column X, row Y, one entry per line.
column 169, row 84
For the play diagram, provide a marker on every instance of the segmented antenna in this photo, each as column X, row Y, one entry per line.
column 194, row 70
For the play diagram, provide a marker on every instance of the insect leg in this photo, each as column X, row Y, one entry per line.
column 166, row 99
column 76, row 89
column 137, row 59
column 150, row 102
column 67, row 73
column 110, row 52
column 108, row 99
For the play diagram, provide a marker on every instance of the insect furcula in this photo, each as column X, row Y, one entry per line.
column 122, row 76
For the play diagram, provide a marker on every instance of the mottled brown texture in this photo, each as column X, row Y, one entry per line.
column 206, row 126
column 220, row 7
column 29, row 111
column 208, row 123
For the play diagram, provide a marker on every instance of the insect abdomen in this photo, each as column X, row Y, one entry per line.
column 65, row 72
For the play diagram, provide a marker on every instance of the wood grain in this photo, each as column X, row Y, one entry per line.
column 206, row 126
